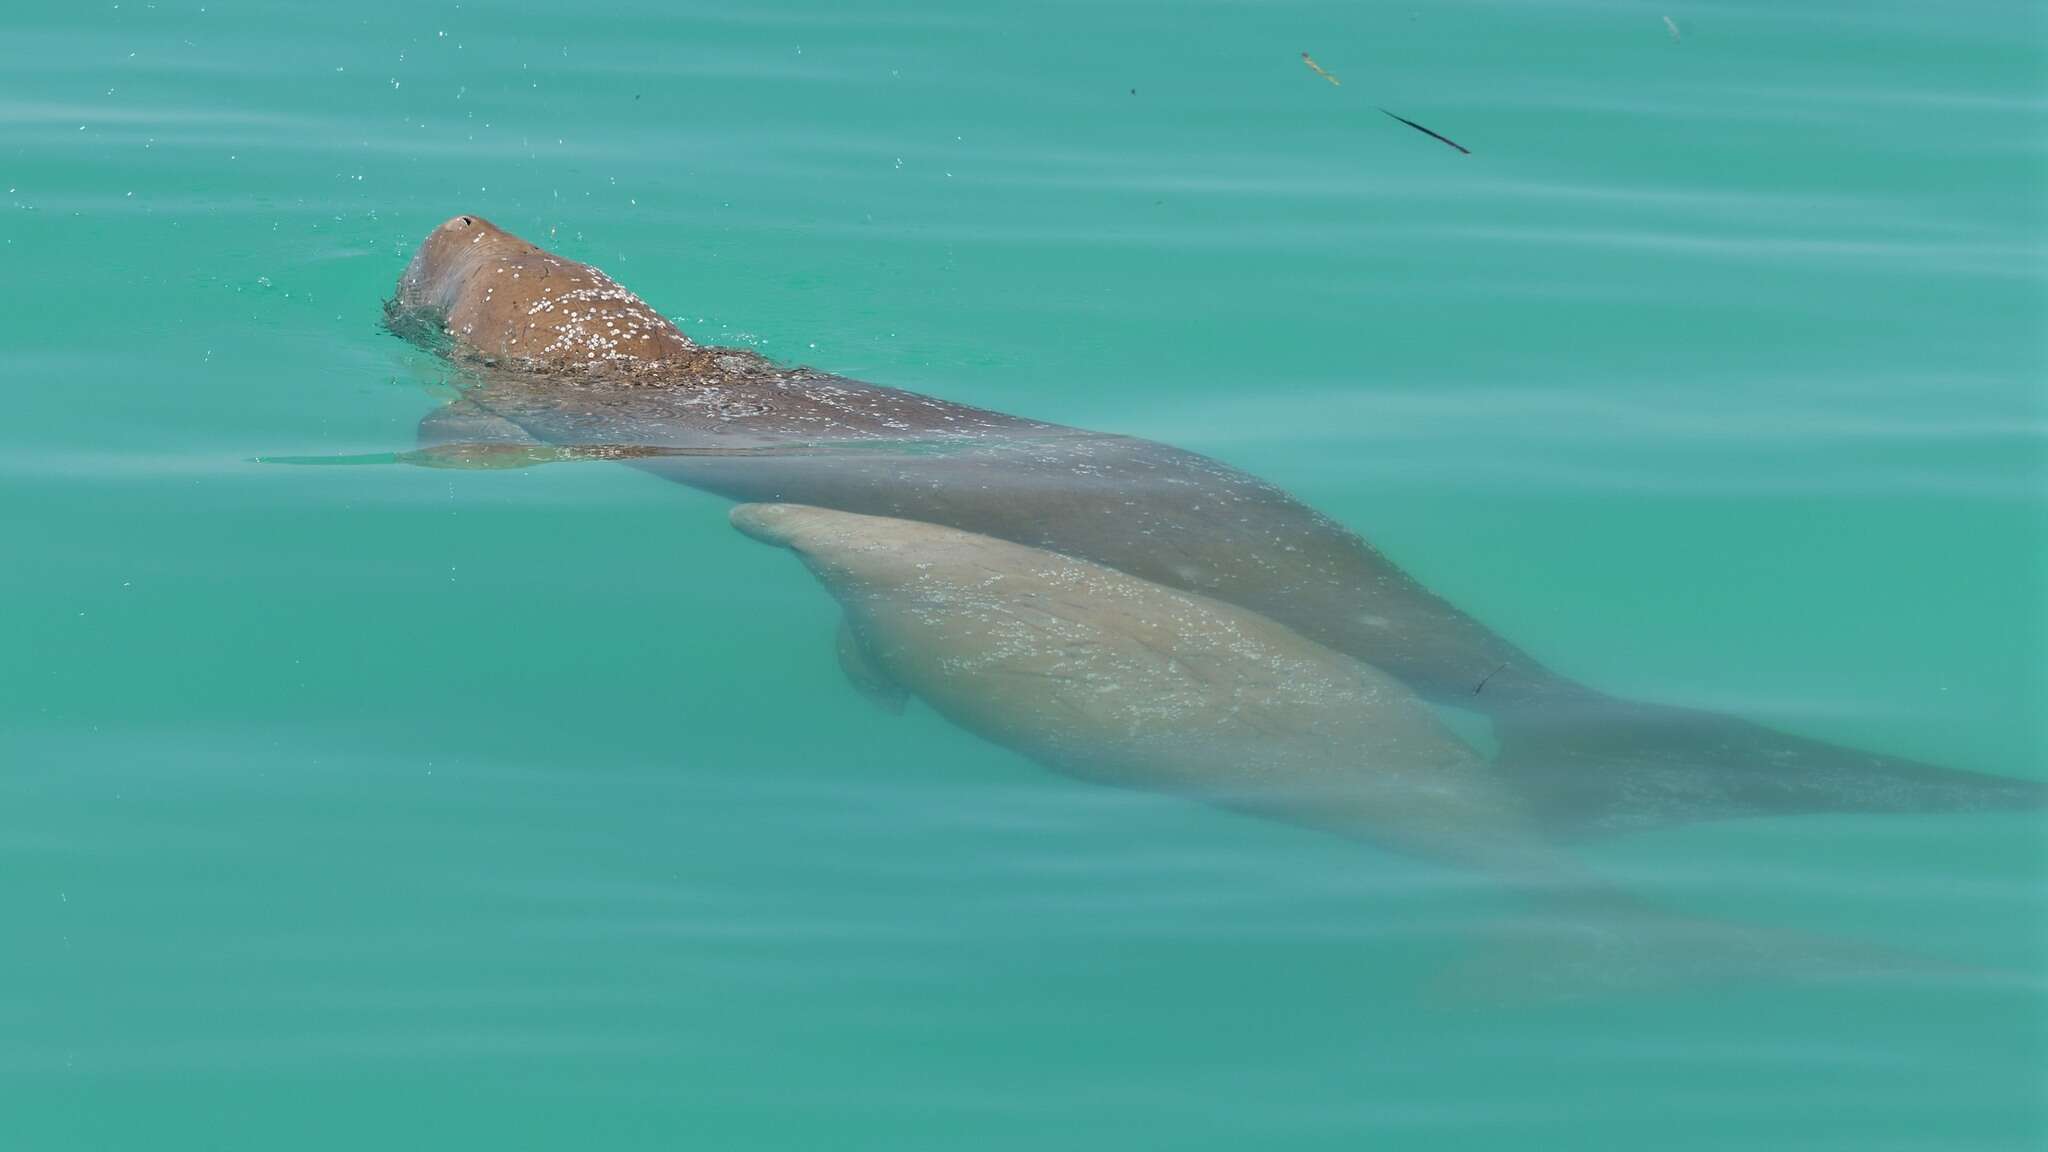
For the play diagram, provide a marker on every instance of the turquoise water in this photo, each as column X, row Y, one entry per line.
column 393, row 806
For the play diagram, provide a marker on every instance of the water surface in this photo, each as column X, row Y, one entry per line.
column 529, row 808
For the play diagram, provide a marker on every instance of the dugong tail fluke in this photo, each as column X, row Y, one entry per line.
column 1615, row 766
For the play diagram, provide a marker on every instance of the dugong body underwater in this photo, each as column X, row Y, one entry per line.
column 1107, row 677
column 1120, row 681
column 555, row 353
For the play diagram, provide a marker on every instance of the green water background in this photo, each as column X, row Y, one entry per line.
column 346, row 807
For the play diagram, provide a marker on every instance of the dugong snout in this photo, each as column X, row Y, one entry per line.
column 445, row 257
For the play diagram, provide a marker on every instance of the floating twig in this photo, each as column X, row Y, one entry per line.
column 1318, row 69
column 1427, row 132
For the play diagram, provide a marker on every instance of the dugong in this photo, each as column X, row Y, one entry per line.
column 1104, row 676
column 555, row 354
column 1114, row 679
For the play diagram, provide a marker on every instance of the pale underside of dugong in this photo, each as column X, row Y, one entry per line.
column 1113, row 678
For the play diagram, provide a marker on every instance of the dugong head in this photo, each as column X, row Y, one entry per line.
column 448, row 259
column 504, row 300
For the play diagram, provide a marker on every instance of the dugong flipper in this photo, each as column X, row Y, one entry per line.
column 867, row 677
column 1112, row 678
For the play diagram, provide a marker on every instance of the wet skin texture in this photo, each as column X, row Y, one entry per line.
column 558, row 353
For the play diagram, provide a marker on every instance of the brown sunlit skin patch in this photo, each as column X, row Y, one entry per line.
column 503, row 300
